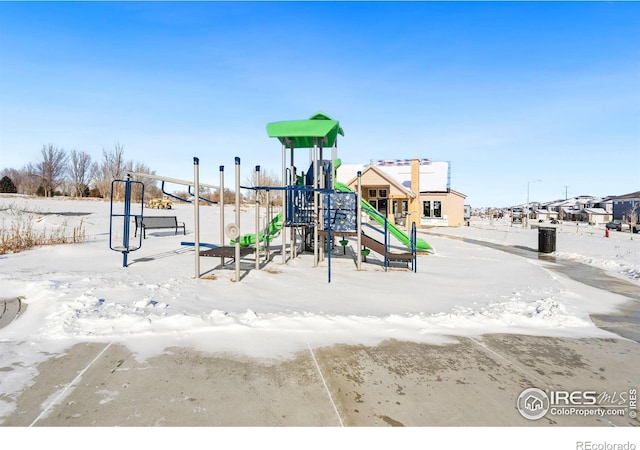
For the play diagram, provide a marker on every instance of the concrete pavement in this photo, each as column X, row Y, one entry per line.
column 10, row 309
column 472, row 382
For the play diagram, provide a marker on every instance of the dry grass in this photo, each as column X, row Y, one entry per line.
column 209, row 277
column 20, row 234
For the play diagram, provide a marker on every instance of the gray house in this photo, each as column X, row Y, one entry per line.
column 626, row 206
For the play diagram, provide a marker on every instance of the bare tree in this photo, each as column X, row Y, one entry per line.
column 79, row 171
column 116, row 163
column 214, row 196
column 30, row 180
column 111, row 168
column 51, row 168
column 150, row 186
column 266, row 179
column 633, row 214
column 96, row 178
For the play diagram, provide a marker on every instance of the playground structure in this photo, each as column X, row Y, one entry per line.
column 316, row 208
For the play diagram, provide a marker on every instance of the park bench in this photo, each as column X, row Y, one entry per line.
column 156, row 223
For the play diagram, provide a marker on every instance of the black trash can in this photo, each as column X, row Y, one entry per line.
column 546, row 240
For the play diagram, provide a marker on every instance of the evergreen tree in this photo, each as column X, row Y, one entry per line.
column 7, row 186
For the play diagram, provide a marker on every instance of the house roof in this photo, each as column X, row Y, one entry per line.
column 580, row 200
column 346, row 172
column 564, row 203
column 630, row 196
column 458, row 193
column 388, row 178
column 450, row 191
column 598, row 211
column 434, row 175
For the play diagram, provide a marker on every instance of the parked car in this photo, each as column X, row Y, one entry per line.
column 617, row 225
column 636, row 228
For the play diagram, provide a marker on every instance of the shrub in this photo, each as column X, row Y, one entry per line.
column 20, row 234
column 7, row 186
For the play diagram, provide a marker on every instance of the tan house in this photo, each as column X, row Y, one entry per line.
column 595, row 216
column 451, row 205
column 408, row 191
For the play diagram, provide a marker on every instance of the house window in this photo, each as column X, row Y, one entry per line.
column 382, row 206
column 382, row 193
column 437, row 209
column 372, row 193
column 405, row 206
column 426, row 208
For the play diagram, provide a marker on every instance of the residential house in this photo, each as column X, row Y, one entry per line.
column 545, row 214
column 627, row 207
column 577, row 209
column 595, row 216
column 408, row 190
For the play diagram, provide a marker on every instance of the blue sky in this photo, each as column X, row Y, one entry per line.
column 508, row 92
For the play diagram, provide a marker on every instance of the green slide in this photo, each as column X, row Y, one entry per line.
column 421, row 244
column 250, row 239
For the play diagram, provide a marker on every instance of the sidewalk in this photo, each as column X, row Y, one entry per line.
column 10, row 308
column 472, row 382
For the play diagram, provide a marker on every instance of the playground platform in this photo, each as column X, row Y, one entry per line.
column 227, row 252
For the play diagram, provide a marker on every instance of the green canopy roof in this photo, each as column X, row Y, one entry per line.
column 301, row 133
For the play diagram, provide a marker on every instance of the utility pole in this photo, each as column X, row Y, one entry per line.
column 566, row 197
column 526, row 225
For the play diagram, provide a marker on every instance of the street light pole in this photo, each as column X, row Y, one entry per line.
column 527, row 210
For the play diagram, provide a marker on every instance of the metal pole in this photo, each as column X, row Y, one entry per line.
column 315, row 201
column 257, row 183
column 359, row 222
column 334, row 156
column 525, row 222
column 237, row 218
column 321, row 185
column 127, row 221
column 221, row 203
column 284, row 202
column 321, row 167
column 268, row 215
column 527, row 211
column 294, row 182
column 329, row 242
column 414, row 239
column 196, row 211
column 168, row 179
column 386, row 243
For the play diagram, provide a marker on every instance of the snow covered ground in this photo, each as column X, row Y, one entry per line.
column 81, row 292
column 618, row 254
